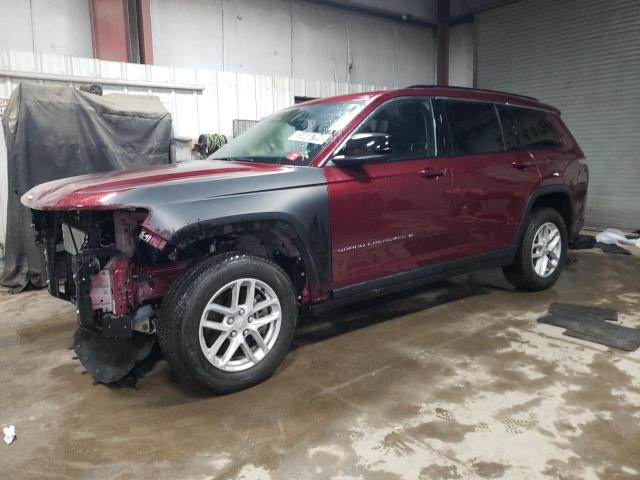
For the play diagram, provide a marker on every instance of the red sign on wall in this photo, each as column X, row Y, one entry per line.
column 3, row 105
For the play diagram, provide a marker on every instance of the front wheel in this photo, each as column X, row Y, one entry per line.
column 228, row 322
column 542, row 252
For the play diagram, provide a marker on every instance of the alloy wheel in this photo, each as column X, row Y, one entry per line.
column 546, row 249
column 240, row 324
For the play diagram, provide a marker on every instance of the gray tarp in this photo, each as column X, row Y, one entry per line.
column 56, row 132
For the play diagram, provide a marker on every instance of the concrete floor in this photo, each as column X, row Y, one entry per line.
column 458, row 381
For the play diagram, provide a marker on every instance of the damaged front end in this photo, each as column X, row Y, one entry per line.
column 96, row 260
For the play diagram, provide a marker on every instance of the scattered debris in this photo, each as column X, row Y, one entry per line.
column 591, row 324
column 609, row 241
column 613, row 236
column 9, row 434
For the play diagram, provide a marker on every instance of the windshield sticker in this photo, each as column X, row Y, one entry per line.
column 293, row 156
column 309, row 137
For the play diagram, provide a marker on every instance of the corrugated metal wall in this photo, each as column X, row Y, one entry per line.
column 200, row 101
column 582, row 56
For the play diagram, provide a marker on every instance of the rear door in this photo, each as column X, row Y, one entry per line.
column 492, row 176
column 392, row 216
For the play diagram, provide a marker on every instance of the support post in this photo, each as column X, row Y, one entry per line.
column 144, row 31
column 110, row 30
column 442, row 33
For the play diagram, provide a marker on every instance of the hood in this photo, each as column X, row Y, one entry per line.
column 104, row 191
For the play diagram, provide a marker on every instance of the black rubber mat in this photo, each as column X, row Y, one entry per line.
column 583, row 311
column 592, row 324
column 582, row 242
column 597, row 331
column 622, row 338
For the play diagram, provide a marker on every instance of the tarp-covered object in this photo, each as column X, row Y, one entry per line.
column 57, row 132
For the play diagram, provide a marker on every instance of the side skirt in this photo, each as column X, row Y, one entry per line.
column 414, row 278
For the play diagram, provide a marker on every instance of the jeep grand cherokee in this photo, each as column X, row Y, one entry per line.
column 320, row 204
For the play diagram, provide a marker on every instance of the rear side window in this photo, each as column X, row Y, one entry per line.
column 534, row 128
column 474, row 127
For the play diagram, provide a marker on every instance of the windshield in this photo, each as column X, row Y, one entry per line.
column 292, row 136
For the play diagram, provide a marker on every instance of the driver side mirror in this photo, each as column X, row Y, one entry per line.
column 364, row 147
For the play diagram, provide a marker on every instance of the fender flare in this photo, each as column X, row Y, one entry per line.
column 535, row 195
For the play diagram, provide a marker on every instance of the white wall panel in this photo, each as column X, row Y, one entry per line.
column 461, row 55
column 371, row 50
column 293, row 38
column 264, row 96
column 414, row 56
column 187, row 34
column 247, row 97
column 46, row 26
column 288, row 38
column 208, row 119
column 15, row 25
column 62, row 27
column 227, row 101
column 257, row 36
column 319, row 47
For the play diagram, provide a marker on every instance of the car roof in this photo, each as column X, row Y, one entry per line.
column 464, row 93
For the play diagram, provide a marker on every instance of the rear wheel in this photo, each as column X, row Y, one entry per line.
column 542, row 252
column 227, row 324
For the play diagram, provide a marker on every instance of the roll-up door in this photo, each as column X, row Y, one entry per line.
column 582, row 56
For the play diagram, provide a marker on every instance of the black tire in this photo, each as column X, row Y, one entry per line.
column 179, row 320
column 521, row 273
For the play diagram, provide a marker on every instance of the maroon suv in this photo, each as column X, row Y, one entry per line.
column 321, row 204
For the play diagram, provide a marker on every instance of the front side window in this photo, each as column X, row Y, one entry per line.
column 409, row 122
column 474, row 127
column 292, row 136
column 535, row 129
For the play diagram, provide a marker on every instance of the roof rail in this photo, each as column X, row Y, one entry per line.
column 474, row 90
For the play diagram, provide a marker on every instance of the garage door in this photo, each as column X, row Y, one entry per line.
column 582, row 56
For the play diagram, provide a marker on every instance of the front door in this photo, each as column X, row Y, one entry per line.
column 392, row 216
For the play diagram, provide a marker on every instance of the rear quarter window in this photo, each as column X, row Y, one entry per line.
column 535, row 128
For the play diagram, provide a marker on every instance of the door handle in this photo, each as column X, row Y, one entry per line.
column 521, row 165
column 432, row 172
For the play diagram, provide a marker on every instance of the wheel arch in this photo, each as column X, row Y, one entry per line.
column 277, row 236
column 557, row 197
